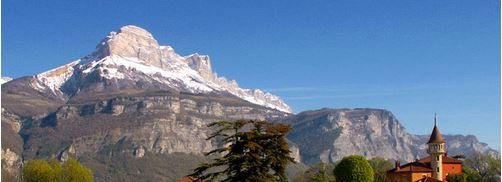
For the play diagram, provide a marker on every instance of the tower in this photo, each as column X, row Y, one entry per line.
column 436, row 150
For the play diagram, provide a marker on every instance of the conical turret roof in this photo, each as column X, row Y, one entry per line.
column 436, row 136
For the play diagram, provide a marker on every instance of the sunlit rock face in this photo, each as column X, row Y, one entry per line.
column 328, row 135
column 132, row 41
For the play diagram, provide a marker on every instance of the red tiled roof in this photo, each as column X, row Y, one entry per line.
column 423, row 165
column 413, row 167
column 445, row 159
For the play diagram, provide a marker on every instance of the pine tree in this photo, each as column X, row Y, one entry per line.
column 254, row 151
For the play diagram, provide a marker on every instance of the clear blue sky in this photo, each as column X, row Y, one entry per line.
column 411, row 57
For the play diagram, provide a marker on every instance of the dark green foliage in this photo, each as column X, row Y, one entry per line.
column 471, row 174
column 354, row 168
column 456, row 178
column 320, row 172
column 52, row 171
column 380, row 167
column 256, row 151
column 482, row 167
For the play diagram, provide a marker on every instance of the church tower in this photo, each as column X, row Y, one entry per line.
column 436, row 150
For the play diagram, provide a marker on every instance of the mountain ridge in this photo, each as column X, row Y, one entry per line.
column 369, row 132
column 133, row 53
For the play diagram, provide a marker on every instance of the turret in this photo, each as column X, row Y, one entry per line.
column 436, row 150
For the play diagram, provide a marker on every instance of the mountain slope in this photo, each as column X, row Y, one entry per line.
column 330, row 134
column 130, row 102
column 5, row 80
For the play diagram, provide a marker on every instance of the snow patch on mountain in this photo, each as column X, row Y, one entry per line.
column 132, row 53
column 55, row 78
column 5, row 79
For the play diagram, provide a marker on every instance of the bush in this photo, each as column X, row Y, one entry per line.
column 52, row 171
column 380, row 167
column 354, row 168
column 320, row 172
column 38, row 171
column 456, row 178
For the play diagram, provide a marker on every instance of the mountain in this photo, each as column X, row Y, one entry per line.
column 131, row 59
column 129, row 110
column 133, row 110
column 5, row 79
column 456, row 145
column 368, row 132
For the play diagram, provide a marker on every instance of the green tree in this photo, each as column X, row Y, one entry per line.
column 456, row 178
column 380, row 167
column 73, row 171
column 52, row 171
column 471, row 175
column 56, row 169
column 354, row 168
column 482, row 167
column 320, row 172
column 38, row 171
column 254, row 151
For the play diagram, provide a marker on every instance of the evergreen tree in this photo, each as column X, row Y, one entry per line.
column 254, row 151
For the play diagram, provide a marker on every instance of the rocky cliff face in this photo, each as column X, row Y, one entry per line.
column 455, row 145
column 138, row 126
column 330, row 134
column 12, row 145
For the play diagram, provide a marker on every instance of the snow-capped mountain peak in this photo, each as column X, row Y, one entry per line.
column 132, row 57
column 5, row 79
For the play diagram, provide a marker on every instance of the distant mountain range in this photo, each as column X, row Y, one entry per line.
column 330, row 134
column 136, row 111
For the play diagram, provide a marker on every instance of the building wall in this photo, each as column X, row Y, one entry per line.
column 398, row 177
column 407, row 176
column 451, row 169
column 417, row 176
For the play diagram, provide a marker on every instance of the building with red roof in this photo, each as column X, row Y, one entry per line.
column 435, row 167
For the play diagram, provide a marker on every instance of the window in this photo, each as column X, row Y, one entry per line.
column 437, row 169
column 437, row 157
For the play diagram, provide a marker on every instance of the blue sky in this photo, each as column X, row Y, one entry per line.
column 411, row 57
